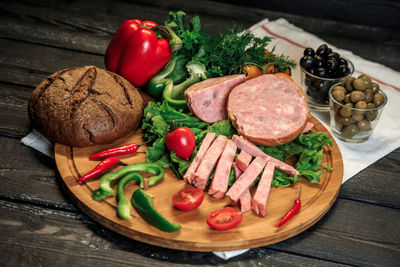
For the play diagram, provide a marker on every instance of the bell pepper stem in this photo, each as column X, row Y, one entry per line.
column 175, row 43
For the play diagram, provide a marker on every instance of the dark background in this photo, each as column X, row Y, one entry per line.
column 384, row 13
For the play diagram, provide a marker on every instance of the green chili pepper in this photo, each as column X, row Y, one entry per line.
column 143, row 204
column 124, row 205
column 105, row 189
column 175, row 70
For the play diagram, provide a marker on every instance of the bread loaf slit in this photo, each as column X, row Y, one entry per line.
column 80, row 91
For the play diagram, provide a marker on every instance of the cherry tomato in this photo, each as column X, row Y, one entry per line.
column 252, row 71
column 188, row 198
column 224, row 219
column 182, row 141
column 270, row 69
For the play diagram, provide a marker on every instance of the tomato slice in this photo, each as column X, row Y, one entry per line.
column 224, row 219
column 188, row 198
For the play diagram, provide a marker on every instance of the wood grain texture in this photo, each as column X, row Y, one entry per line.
column 253, row 231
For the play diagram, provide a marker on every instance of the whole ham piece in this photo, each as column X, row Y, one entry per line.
column 269, row 110
column 207, row 99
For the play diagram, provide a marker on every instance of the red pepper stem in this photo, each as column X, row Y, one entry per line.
column 141, row 144
column 175, row 43
column 299, row 193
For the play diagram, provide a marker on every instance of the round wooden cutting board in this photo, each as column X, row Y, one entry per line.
column 195, row 234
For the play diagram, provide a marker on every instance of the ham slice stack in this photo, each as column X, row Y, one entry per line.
column 217, row 154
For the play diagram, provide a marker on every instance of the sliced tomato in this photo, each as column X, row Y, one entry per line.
column 188, row 198
column 224, row 219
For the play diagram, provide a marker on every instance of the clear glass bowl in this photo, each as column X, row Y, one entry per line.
column 317, row 88
column 358, row 124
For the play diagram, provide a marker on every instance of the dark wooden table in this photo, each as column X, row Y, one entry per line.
column 40, row 227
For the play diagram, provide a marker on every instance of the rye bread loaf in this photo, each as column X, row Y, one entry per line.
column 85, row 106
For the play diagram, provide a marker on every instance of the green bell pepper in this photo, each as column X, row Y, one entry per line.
column 143, row 204
column 175, row 70
column 174, row 93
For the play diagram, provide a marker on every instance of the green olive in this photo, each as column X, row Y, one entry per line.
column 338, row 94
column 349, row 84
column 343, row 120
column 371, row 115
column 364, row 125
column 375, row 87
column 378, row 99
column 347, row 98
column 368, row 95
column 335, row 106
column 357, row 116
column 346, row 110
column 361, row 105
column 359, row 84
column 349, row 131
column 367, row 80
column 365, row 77
column 356, row 96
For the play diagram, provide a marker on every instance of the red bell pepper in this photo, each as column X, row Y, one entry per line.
column 137, row 54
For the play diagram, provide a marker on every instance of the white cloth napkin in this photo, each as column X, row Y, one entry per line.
column 291, row 41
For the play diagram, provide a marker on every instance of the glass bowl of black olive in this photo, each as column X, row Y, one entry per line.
column 320, row 69
column 356, row 105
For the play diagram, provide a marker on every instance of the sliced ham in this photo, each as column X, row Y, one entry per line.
column 245, row 198
column 219, row 183
column 253, row 150
column 246, row 179
column 208, row 162
column 308, row 127
column 207, row 99
column 269, row 110
column 243, row 160
column 206, row 143
column 260, row 198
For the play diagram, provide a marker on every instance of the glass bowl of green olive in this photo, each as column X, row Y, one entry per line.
column 356, row 105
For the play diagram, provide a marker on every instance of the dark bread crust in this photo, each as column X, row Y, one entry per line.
column 85, row 106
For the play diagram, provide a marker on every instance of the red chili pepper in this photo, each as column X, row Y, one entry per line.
column 293, row 211
column 103, row 165
column 116, row 151
column 137, row 54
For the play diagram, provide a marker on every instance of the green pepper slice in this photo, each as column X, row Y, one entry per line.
column 143, row 204
column 124, row 205
column 105, row 189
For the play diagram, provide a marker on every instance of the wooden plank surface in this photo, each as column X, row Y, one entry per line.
column 40, row 37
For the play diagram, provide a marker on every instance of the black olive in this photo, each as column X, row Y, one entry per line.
column 321, row 72
column 307, row 62
column 309, row 51
column 328, row 52
column 332, row 64
column 343, row 61
column 332, row 73
column 333, row 55
column 343, row 70
column 319, row 61
column 322, row 50
column 313, row 71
